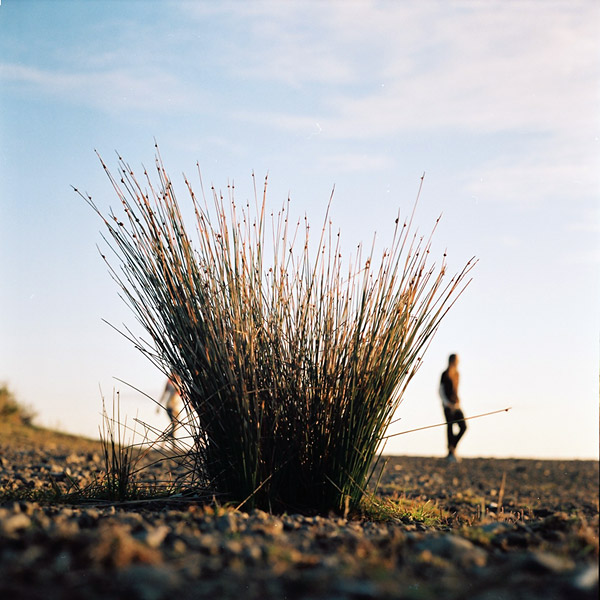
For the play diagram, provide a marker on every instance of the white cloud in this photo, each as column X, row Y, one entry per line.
column 585, row 258
column 591, row 224
column 510, row 241
column 389, row 69
column 109, row 90
column 355, row 161
column 528, row 182
column 475, row 67
column 366, row 71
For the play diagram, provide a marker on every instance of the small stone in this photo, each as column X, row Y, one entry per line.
column 154, row 537
column 270, row 526
column 544, row 562
column 117, row 548
column 93, row 513
column 73, row 459
column 57, row 473
column 455, row 548
column 357, row 588
column 29, row 507
column 496, row 527
column 227, row 523
column 253, row 552
column 208, row 542
column 234, row 547
column 62, row 562
column 15, row 523
column 586, row 579
column 146, row 583
column 259, row 515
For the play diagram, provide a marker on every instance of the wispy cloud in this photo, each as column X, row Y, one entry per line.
column 546, row 176
column 110, row 90
column 359, row 72
column 387, row 70
column 355, row 161
column 588, row 223
column 474, row 67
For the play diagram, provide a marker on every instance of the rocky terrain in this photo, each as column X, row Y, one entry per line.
column 483, row 529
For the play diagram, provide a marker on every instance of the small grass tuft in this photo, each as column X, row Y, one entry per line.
column 383, row 509
column 118, row 481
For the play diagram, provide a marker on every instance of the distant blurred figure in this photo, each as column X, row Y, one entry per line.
column 171, row 401
column 451, row 402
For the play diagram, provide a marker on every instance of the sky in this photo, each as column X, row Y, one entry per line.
column 496, row 102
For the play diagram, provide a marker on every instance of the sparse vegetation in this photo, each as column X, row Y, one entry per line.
column 12, row 409
column 291, row 362
column 405, row 510
column 127, row 456
column 121, row 458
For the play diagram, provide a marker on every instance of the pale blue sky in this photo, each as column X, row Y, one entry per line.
column 497, row 102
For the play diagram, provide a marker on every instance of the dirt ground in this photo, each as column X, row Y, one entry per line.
column 505, row 529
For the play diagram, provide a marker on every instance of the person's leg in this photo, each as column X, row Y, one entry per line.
column 171, row 432
column 459, row 417
column 448, row 413
column 175, row 423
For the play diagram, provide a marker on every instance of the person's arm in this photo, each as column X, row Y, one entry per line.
column 450, row 389
column 454, row 393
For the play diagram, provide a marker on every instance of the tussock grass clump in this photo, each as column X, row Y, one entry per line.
column 291, row 361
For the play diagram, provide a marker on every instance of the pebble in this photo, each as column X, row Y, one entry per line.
column 13, row 523
column 587, row 578
column 155, row 536
column 454, row 548
column 227, row 523
column 544, row 562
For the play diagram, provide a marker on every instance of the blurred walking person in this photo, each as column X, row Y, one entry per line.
column 171, row 401
column 451, row 403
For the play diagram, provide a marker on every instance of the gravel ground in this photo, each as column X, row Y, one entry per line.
column 509, row 530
